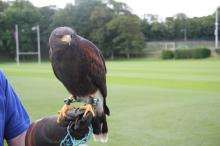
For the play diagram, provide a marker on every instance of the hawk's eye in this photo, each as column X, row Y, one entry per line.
column 59, row 36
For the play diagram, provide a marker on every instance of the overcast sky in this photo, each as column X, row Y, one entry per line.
column 163, row 8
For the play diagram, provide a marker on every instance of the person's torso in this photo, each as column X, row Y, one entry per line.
column 2, row 117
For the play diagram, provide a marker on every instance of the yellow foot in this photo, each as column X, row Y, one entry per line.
column 88, row 108
column 62, row 112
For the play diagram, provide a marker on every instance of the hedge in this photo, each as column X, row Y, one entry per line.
column 200, row 53
column 167, row 54
column 217, row 51
column 182, row 54
column 194, row 53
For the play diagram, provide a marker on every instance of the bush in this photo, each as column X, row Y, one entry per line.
column 182, row 54
column 217, row 51
column 200, row 53
column 167, row 54
column 192, row 53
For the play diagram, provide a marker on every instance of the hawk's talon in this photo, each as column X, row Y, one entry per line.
column 87, row 108
column 62, row 112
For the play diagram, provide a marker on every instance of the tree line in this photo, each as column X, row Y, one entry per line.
column 179, row 27
column 109, row 24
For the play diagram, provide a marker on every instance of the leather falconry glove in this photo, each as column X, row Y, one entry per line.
column 46, row 131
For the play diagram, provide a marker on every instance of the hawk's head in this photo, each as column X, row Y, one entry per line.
column 61, row 37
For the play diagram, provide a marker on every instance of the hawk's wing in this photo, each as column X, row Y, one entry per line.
column 96, row 65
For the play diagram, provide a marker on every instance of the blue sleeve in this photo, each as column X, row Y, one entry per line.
column 16, row 117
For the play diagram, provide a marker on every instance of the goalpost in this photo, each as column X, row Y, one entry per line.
column 18, row 53
column 170, row 45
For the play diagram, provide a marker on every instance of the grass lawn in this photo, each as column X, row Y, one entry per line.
column 152, row 103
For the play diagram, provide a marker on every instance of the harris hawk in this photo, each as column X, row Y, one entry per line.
column 80, row 66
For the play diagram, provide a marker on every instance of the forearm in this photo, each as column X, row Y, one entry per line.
column 45, row 132
column 17, row 141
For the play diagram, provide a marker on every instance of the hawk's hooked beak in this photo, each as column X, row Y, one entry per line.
column 66, row 38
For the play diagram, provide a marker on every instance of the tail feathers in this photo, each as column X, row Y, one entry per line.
column 106, row 110
column 100, row 129
column 103, row 138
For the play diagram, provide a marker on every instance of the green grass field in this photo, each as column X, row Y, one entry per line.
column 153, row 103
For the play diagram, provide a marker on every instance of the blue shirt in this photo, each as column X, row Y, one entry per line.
column 14, row 119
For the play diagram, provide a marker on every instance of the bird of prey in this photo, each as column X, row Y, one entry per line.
column 80, row 66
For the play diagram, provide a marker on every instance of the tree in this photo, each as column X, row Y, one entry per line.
column 3, row 6
column 151, row 18
column 25, row 15
column 125, row 34
column 180, row 25
column 99, row 17
column 45, row 20
column 119, row 8
column 146, row 29
column 170, row 25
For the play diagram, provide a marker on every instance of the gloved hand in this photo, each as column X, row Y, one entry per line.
column 46, row 131
column 79, row 124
